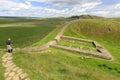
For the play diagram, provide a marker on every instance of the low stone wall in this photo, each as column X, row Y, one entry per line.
column 102, row 49
column 78, row 39
column 58, row 37
column 103, row 53
column 97, row 45
column 38, row 48
column 96, row 54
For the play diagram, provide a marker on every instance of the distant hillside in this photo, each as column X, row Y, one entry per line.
column 87, row 17
column 16, row 17
column 10, row 17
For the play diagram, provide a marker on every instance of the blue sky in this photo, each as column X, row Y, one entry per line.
column 109, row 2
column 59, row 8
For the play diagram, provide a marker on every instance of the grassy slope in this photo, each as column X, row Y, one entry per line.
column 89, row 17
column 1, row 67
column 24, row 34
column 105, row 31
column 56, row 64
column 27, row 32
column 49, row 37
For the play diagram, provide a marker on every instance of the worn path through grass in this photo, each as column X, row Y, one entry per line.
column 12, row 72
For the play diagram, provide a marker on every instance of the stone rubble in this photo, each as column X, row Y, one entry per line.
column 12, row 72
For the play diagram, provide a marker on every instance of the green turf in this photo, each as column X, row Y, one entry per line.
column 1, row 67
column 25, row 32
column 56, row 64
column 101, row 29
column 49, row 37
column 104, row 31
column 77, row 44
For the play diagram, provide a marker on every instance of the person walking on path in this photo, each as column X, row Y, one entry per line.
column 9, row 45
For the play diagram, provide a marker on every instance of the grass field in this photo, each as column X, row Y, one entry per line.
column 25, row 32
column 1, row 67
column 77, row 44
column 105, row 31
column 57, row 64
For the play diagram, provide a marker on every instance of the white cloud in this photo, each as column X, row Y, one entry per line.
column 100, row 13
column 69, row 8
column 107, row 10
column 63, row 3
column 26, row 5
column 27, row 9
column 117, row 6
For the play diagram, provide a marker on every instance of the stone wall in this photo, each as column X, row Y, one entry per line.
column 58, row 37
column 78, row 39
column 103, row 53
column 96, row 54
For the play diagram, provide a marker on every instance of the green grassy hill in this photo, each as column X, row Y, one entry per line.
column 105, row 31
column 89, row 17
column 86, row 17
column 58, row 64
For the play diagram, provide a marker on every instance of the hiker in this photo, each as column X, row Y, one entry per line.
column 9, row 45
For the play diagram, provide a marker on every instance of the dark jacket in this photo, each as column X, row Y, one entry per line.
column 8, row 42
